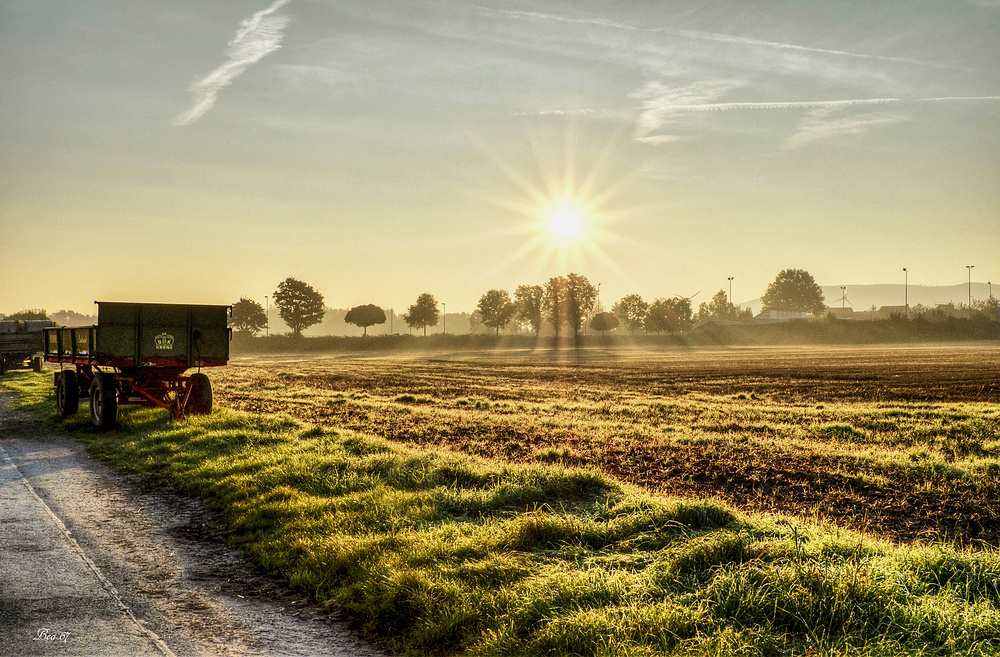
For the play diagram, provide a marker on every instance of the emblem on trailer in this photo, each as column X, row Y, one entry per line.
column 164, row 341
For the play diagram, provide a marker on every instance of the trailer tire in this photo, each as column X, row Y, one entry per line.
column 104, row 401
column 36, row 364
column 200, row 399
column 67, row 394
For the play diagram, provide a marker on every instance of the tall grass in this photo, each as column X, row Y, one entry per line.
column 439, row 553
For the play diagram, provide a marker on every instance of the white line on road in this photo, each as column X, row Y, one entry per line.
column 108, row 586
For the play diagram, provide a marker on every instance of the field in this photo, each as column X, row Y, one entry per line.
column 327, row 472
column 899, row 441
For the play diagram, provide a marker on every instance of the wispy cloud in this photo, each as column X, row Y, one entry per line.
column 818, row 124
column 257, row 36
column 809, row 104
column 662, row 106
column 700, row 35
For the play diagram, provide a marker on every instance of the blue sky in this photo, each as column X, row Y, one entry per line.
column 204, row 151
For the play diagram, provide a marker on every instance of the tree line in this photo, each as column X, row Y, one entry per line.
column 567, row 303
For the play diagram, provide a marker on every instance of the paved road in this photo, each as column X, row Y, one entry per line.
column 93, row 563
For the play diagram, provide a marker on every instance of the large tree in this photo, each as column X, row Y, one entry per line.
column 581, row 296
column 423, row 313
column 299, row 305
column 248, row 317
column 496, row 309
column 554, row 302
column 568, row 300
column 631, row 310
column 794, row 290
column 365, row 316
column 669, row 315
column 530, row 302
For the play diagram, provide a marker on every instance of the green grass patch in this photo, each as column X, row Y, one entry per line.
column 440, row 553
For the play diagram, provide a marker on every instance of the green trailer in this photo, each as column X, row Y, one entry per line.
column 139, row 353
column 21, row 343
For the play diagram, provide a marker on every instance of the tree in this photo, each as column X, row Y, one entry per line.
column 604, row 322
column 580, row 299
column 423, row 313
column 496, row 309
column 299, row 305
column 248, row 316
column 27, row 315
column 554, row 301
column 474, row 321
column 719, row 308
column 669, row 315
column 530, row 301
column 631, row 310
column 365, row 316
column 794, row 290
column 568, row 300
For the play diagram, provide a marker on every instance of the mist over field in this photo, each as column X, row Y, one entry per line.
column 506, row 329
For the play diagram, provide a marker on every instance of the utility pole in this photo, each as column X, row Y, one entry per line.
column 970, row 268
column 906, row 289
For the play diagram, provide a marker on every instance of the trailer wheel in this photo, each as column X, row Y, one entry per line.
column 36, row 364
column 200, row 400
column 104, row 401
column 67, row 394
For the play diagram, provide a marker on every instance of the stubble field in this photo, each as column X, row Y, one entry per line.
column 902, row 442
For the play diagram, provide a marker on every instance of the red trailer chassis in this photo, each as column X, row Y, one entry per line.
column 139, row 356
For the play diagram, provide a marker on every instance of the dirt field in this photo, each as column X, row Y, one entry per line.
column 901, row 441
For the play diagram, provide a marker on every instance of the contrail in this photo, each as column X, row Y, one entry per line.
column 699, row 35
column 811, row 104
column 257, row 36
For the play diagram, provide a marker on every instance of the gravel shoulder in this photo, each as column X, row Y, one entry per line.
column 94, row 563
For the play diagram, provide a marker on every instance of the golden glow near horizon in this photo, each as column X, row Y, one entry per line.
column 377, row 162
column 565, row 223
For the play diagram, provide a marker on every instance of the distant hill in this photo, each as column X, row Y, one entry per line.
column 863, row 297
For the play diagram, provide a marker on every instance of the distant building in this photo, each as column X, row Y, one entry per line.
column 780, row 315
column 841, row 313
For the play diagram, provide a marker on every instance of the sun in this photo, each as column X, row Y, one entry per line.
column 565, row 222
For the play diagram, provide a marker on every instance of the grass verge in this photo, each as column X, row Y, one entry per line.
column 440, row 553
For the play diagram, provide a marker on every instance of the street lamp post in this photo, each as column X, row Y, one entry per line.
column 970, row 268
column 267, row 317
column 730, row 279
column 598, row 297
column 444, row 318
column 843, row 297
column 906, row 289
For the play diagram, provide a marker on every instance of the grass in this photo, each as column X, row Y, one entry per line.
column 439, row 553
column 757, row 429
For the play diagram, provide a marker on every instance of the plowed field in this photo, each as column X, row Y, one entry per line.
column 898, row 441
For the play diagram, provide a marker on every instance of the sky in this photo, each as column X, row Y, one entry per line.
column 203, row 151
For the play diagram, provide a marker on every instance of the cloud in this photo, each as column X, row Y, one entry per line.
column 256, row 37
column 810, row 104
column 817, row 125
column 662, row 107
column 699, row 35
